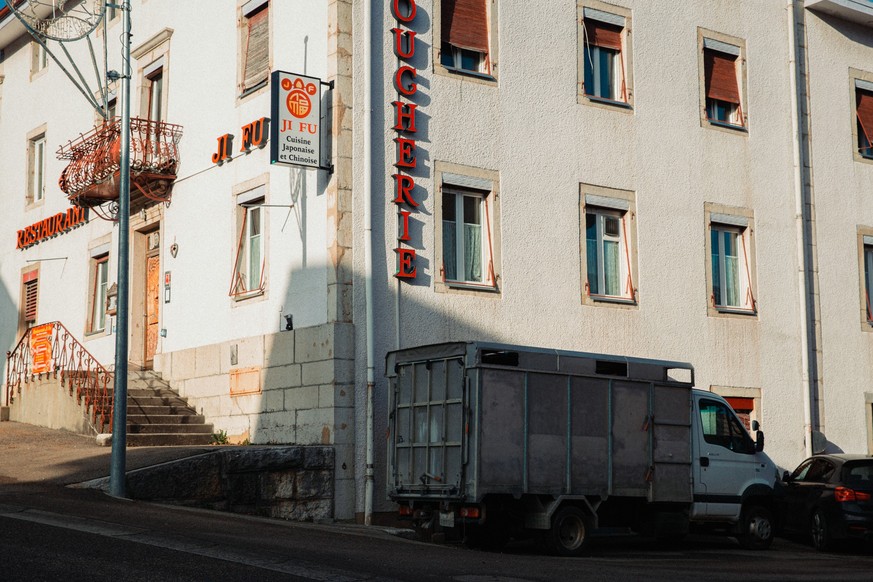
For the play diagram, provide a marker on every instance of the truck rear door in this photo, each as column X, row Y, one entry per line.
column 426, row 434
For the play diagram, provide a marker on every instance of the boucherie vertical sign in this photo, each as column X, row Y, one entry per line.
column 295, row 136
column 404, row 11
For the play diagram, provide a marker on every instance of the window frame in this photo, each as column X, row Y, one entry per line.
column 741, row 222
column 29, row 279
column 36, row 167
column 713, row 42
column 460, row 181
column 488, row 62
column 99, row 263
column 246, row 9
column 250, row 199
column 154, row 54
column 860, row 82
column 39, row 59
column 608, row 15
column 865, row 276
column 603, row 201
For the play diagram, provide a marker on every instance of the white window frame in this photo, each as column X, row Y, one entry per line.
column 98, row 285
column 36, row 163
column 622, row 59
column 39, row 60
column 597, row 290
column 745, row 302
column 710, row 40
column 246, row 282
column 486, row 71
column 486, row 277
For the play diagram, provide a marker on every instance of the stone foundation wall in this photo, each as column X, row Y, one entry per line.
column 45, row 402
column 283, row 482
column 293, row 387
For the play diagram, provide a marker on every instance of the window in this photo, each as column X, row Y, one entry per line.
column 603, row 56
column 29, row 300
column 465, row 37
column 99, row 278
column 39, row 60
column 36, row 162
column 255, row 46
column 864, row 117
column 814, row 471
column 466, row 242
column 248, row 275
column 154, row 90
column 731, row 262
column 720, row 427
column 722, row 75
column 866, row 236
column 608, row 265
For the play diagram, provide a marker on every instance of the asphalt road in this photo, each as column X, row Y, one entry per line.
column 52, row 532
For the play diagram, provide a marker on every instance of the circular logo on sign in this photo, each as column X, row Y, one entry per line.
column 298, row 102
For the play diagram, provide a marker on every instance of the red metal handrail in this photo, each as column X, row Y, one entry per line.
column 86, row 379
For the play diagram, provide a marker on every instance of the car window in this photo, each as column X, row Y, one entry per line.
column 859, row 474
column 820, row 471
column 800, row 472
column 721, row 427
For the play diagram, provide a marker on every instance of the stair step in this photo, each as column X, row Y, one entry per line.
column 165, row 419
column 151, row 392
column 169, row 428
column 159, row 410
column 156, row 401
column 165, row 439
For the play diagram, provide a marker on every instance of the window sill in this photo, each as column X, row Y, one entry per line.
column 726, row 125
column 735, row 311
column 253, row 89
column 611, row 102
column 249, row 295
column 612, row 299
column 472, row 286
column 474, row 74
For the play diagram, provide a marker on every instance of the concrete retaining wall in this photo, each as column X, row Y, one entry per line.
column 45, row 402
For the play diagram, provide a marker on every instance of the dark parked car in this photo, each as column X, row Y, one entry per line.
column 829, row 497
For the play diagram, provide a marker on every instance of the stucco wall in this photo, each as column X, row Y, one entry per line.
column 45, row 402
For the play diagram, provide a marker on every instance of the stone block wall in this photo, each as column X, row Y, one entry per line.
column 293, row 483
column 44, row 401
column 304, row 393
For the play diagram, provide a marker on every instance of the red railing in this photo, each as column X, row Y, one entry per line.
column 50, row 350
column 91, row 178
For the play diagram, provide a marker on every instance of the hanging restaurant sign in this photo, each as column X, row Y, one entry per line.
column 41, row 348
column 295, row 130
column 53, row 225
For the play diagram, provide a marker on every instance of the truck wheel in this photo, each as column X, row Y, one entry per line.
column 756, row 524
column 569, row 533
column 821, row 532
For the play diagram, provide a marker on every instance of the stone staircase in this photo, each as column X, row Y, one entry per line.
column 158, row 416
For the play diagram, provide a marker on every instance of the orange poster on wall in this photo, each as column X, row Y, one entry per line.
column 41, row 348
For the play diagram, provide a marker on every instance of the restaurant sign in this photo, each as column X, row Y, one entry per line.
column 52, row 226
column 295, row 130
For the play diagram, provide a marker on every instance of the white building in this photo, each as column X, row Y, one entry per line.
column 633, row 179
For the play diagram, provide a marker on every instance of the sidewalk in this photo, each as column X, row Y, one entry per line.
column 32, row 454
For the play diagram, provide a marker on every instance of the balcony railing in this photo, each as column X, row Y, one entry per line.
column 91, row 178
column 50, row 350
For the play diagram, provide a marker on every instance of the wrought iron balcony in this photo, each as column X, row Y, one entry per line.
column 92, row 176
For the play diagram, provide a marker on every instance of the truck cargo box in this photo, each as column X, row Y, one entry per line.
column 470, row 419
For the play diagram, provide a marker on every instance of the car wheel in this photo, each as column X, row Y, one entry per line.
column 569, row 533
column 820, row 531
column 757, row 528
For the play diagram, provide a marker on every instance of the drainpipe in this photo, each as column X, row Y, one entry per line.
column 368, row 255
column 806, row 313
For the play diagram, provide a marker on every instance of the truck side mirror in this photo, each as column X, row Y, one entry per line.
column 786, row 476
column 759, row 441
column 755, row 426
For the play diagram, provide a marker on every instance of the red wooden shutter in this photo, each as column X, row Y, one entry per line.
column 257, row 57
column 865, row 112
column 31, row 288
column 720, row 70
column 602, row 34
column 465, row 24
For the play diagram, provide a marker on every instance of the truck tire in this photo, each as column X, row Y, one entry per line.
column 756, row 528
column 568, row 536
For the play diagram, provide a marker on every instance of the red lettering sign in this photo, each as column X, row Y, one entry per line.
column 51, row 226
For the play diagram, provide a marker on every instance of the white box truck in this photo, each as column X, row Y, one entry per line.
column 488, row 441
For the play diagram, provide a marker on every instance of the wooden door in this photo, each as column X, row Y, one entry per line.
column 152, row 305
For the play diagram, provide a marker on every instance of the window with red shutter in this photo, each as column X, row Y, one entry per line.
column 723, row 101
column 465, row 32
column 30, row 297
column 864, row 112
column 603, row 68
column 256, row 46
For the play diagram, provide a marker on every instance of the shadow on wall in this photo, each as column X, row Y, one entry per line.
column 8, row 332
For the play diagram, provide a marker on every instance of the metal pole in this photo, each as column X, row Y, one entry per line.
column 119, row 425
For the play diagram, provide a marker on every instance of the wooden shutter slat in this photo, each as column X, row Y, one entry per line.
column 30, row 300
column 601, row 34
column 465, row 24
column 257, row 59
column 720, row 71
column 865, row 112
